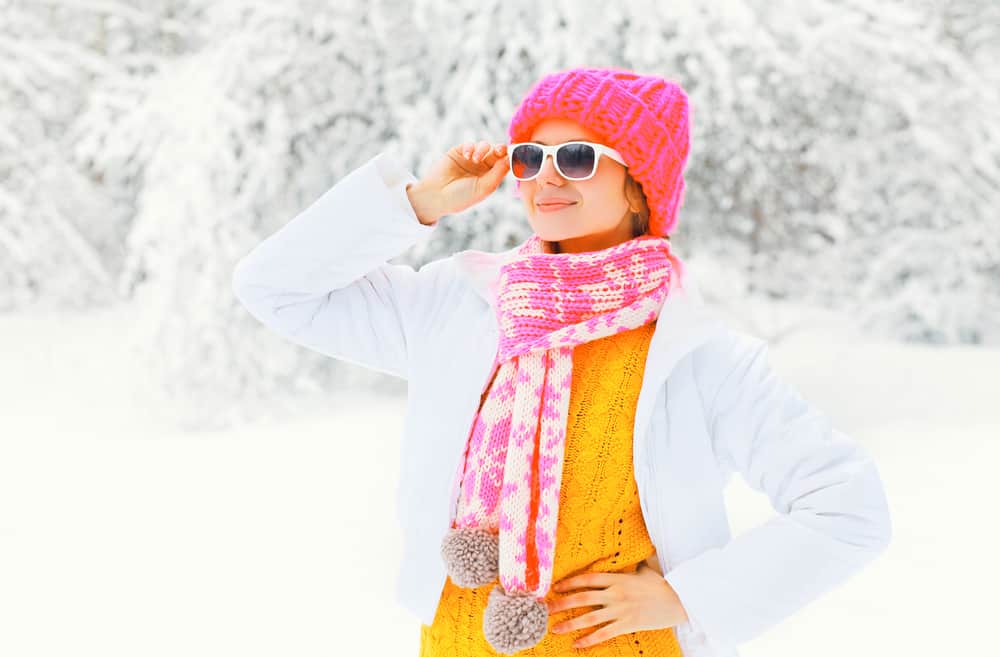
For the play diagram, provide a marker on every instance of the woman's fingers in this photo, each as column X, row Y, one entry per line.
column 478, row 151
column 482, row 148
column 472, row 150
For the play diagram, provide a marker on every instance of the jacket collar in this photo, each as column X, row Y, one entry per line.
column 685, row 321
column 482, row 270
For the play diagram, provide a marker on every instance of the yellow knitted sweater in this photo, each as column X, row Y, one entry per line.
column 600, row 527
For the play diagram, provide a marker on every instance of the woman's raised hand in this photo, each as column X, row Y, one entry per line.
column 466, row 175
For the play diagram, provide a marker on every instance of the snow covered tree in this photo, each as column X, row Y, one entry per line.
column 60, row 227
column 844, row 156
column 825, row 135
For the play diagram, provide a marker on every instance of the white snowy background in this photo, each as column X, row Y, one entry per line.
column 174, row 479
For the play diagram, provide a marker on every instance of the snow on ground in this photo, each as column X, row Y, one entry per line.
column 120, row 537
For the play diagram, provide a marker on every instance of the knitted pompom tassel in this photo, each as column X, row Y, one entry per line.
column 471, row 556
column 514, row 622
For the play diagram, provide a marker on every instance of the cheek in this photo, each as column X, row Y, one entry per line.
column 607, row 196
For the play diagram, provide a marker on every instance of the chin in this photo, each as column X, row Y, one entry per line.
column 553, row 231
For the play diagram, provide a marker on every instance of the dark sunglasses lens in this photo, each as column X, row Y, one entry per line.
column 526, row 160
column 576, row 160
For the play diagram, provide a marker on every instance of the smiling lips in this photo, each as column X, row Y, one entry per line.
column 553, row 206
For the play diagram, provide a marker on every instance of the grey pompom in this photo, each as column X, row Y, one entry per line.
column 514, row 622
column 471, row 556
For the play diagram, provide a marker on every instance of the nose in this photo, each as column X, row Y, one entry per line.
column 548, row 171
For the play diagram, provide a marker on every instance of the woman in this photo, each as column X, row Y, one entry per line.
column 574, row 408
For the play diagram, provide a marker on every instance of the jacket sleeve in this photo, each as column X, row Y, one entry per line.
column 832, row 520
column 323, row 280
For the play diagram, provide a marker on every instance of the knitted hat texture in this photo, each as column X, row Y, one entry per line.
column 643, row 117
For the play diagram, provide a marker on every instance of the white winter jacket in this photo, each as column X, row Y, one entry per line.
column 709, row 406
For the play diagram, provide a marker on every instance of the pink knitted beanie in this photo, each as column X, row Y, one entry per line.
column 643, row 117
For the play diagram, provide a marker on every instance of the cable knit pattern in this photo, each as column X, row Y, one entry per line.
column 600, row 526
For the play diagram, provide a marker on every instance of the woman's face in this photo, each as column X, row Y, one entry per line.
column 599, row 215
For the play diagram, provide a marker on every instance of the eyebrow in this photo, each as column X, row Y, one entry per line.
column 562, row 142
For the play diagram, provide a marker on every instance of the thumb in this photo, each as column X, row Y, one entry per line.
column 495, row 175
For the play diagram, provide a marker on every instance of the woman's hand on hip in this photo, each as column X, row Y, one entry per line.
column 642, row 600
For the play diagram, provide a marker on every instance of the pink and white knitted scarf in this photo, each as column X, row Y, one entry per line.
column 546, row 304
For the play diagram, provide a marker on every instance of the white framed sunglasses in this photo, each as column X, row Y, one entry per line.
column 574, row 160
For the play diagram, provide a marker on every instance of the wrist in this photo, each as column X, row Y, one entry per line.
column 423, row 205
